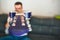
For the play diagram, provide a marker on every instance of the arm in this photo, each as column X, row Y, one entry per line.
column 7, row 26
column 28, row 22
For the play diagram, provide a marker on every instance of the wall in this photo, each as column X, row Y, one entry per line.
column 59, row 6
column 0, row 6
column 38, row 7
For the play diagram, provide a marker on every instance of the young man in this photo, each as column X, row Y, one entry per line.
column 20, row 26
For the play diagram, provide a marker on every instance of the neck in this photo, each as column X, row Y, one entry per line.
column 21, row 11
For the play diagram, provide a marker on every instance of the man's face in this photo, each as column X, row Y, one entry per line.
column 18, row 7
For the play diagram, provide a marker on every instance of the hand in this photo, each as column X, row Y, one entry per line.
column 6, row 31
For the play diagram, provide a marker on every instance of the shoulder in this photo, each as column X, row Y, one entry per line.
column 26, row 11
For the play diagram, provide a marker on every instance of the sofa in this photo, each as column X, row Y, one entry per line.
column 42, row 28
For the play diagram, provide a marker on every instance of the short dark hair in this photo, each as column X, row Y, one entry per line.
column 18, row 3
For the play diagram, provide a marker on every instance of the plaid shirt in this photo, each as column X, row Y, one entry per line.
column 17, row 28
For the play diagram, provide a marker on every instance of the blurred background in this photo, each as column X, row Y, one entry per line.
column 45, row 18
